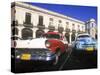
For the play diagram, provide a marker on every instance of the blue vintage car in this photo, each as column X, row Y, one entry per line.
column 84, row 43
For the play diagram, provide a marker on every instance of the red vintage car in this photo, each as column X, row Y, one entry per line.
column 47, row 48
column 56, row 42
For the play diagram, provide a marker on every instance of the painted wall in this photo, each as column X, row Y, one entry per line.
column 20, row 17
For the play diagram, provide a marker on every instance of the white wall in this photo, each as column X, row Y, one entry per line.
column 20, row 16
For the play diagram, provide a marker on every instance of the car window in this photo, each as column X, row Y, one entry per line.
column 30, row 38
column 83, row 36
column 56, row 36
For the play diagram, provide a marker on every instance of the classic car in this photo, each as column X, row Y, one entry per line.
column 84, row 43
column 47, row 48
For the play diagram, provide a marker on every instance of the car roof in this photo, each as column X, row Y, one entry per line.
column 52, row 33
column 83, row 34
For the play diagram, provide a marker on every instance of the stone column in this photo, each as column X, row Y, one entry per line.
column 20, row 31
column 34, row 32
column 76, row 35
column 70, row 37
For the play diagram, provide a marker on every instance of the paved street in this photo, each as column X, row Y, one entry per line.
column 67, row 62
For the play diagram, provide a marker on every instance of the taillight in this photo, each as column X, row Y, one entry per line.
column 47, row 44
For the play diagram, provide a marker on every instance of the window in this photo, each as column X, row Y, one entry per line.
column 73, row 26
column 92, row 24
column 50, row 36
column 60, row 21
column 78, row 27
column 28, row 18
column 83, row 36
column 51, row 27
column 15, row 31
column 67, row 25
column 27, row 33
column 39, row 33
column 73, row 37
column 40, row 20
column 51, row 21
column 60, row 25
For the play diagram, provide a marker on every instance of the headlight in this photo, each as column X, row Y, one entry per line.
column 47, row 44
column 18, row 56
column 48, row 58
column 79, row 45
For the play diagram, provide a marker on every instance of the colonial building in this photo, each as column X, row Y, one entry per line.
column 32, row 21
column 91, row 28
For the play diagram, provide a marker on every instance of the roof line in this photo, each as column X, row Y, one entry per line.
column 39, row 9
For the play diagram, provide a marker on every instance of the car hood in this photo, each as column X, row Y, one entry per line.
column 34, row 43
column 38, row 43
column 86, row 41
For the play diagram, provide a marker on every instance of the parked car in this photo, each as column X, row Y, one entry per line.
column 48, row 48
column 84, row 43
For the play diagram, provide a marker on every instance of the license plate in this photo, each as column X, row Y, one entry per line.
column 89, row 49
column 26, row 56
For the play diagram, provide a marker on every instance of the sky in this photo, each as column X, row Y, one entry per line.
column 83, row 13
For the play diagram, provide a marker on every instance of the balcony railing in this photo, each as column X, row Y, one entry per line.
column 51, row 28
column 73, row 31
column 60, row 29
column 30, row 25
column 67, row 30
column 41, row 26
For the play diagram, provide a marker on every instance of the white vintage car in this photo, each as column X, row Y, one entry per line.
column 47, row 48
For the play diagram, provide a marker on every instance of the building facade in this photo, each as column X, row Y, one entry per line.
column 31, row 21
column 91, row 28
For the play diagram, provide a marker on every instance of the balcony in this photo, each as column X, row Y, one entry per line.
column 29, row 25
column 41, row 26
column 51, row 28
column 60, row 29
column 67, row 30
column 73, row 31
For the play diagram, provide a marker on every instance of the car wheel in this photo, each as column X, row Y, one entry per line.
column 56, row 60
column 58, row 52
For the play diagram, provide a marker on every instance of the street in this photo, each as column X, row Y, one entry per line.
column 67, row 61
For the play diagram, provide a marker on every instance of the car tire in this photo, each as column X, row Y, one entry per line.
column 58, row 52
column 56, row 60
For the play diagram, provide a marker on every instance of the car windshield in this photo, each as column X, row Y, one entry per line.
column 82, row 37
column 85, row 37
column 55, row 36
